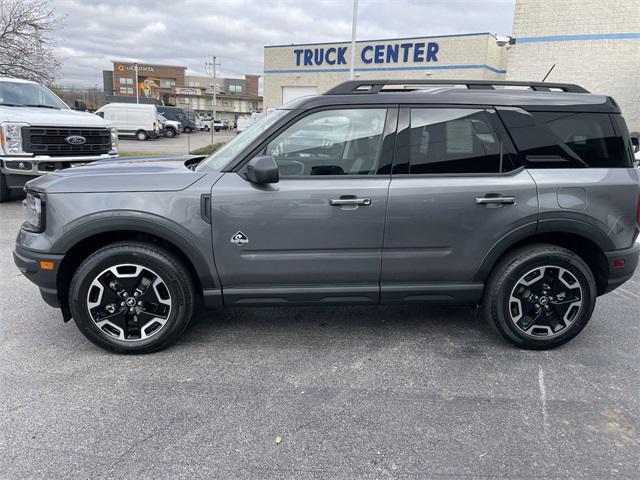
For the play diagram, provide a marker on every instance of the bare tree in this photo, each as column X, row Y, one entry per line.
column 25, row 40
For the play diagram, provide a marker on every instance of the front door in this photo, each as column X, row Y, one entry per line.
column 316, row 235
column 456, row 193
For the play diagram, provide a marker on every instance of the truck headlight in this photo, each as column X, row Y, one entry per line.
column 114, row 140
column 11, row 138
column 33, row 213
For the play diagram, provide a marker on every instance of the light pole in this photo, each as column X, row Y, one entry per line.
column 354, row 23
column 135, row 69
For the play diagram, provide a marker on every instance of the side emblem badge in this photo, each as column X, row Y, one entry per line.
column 239, row 239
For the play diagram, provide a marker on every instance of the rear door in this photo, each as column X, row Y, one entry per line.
column 316, row 235
column 455, row 194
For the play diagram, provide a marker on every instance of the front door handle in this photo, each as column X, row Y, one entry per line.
column 495, row 200
column 338, row 202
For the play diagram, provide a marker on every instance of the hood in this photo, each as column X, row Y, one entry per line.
column 50, row 117
column 140, row 174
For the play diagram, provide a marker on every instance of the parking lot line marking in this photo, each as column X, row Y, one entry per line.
column 543, row 398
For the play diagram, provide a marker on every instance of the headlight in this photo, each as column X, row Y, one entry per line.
column 33, row 213
column 114, row 140
column 11, row 138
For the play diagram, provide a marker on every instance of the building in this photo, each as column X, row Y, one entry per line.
column 594, row 43
column 170, row 85
column 291, row 71
column 599, row 50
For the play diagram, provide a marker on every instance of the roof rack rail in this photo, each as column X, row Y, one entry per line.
column 352, row 87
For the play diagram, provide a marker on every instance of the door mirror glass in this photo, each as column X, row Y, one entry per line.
column 262, row 170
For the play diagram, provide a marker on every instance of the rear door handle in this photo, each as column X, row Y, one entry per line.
column 495, row 200
column 338, row 202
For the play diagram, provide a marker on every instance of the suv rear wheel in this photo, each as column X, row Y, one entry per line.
column 540, row 296
column 132, row 298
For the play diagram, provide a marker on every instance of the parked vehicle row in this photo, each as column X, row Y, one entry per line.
column 142, row 121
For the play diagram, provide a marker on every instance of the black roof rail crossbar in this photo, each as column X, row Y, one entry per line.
column 376, row 86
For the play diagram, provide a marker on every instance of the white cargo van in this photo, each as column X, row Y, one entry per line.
column 39, row 134
column 132, row 119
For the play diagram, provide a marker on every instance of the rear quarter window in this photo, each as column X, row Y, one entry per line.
column 567, row 139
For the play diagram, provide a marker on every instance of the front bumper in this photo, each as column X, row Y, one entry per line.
column 31, row 167
column 28, row 262
column 622, row 265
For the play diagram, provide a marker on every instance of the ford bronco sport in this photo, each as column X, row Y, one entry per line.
column 522, row 200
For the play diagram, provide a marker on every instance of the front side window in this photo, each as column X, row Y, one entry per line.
column 331, row 142
column 451, row 141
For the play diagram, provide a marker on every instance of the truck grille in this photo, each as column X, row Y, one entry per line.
column 51, row 141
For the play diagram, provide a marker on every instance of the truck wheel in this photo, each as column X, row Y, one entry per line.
column 540, row 296
column 5, row 191
column 170, row 133
column 187, row 130
column 132, row 297
column 142, row 135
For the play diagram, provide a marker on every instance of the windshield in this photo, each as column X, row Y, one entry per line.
column 19, row 94
column 228, row 152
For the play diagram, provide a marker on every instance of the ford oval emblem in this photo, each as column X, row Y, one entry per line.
column 75, row 140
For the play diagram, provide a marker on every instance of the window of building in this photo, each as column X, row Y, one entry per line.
column 194, row 83
column 235, row 88
column 452, row 140
column 126, row 81
column 566, row 139
column 226, row 103
column 123, row 89
column 167, row 83
column 331, row 142
column 184, row 100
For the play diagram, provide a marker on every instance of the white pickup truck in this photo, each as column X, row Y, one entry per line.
column 39, row 134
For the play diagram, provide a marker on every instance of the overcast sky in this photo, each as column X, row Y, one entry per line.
column 187, row 32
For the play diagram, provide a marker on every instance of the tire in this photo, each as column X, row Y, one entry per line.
column 142, row 135
column 187, row 130
column 5, row 191
column 540, row 296
column 170, row 133
column 159, row 283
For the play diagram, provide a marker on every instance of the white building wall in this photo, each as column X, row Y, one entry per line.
column 594, row 43
column 473, row 56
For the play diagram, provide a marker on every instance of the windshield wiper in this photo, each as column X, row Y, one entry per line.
column 39, row 105
column 6, row 104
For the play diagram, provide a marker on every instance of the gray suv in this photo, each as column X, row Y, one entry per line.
column 523, row 200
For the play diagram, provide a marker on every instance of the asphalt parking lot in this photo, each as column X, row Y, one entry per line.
column 180, row 145
column 353, row 392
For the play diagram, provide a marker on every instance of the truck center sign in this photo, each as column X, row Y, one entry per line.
column 416, row 52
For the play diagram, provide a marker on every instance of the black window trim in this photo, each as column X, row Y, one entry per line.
column 387, row 150
column 404, row 127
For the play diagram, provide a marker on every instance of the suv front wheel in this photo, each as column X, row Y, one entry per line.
column 132, row 297
column 540, row 296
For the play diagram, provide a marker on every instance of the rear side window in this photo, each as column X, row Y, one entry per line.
column 566, row 139
column 452, row 140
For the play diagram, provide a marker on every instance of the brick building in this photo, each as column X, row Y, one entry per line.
column 170, row 85
column 595, row 43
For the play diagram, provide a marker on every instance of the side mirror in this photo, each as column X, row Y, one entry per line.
column 263, row 170
column 635, row 141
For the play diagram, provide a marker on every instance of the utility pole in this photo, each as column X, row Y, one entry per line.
column 135, row 68
column 354, row 23
column 213, row 66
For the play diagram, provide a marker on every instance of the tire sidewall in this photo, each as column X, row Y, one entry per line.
column 513, row 273
column 142, row 136
column 181, row 296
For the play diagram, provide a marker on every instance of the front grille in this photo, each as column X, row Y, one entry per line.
column 51, row 141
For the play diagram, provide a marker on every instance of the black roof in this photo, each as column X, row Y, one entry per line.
column 530, row 96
